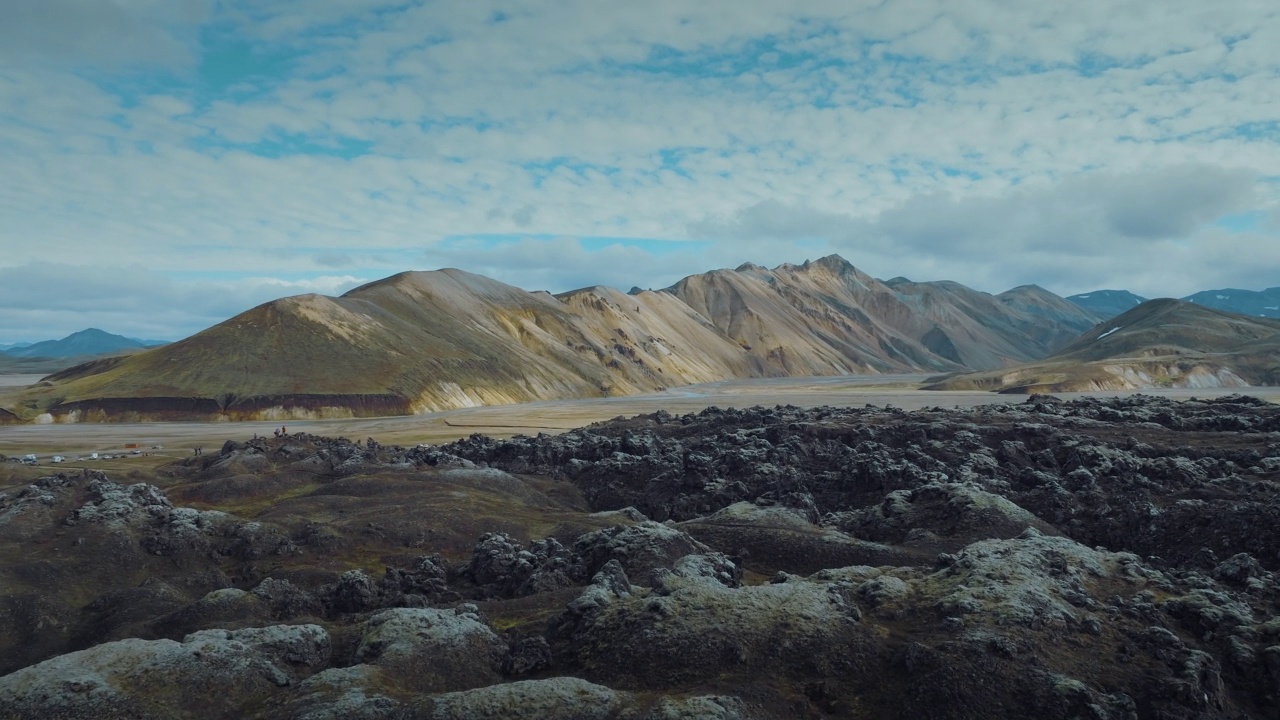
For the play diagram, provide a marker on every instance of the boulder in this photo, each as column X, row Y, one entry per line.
column 432, row 650
column 210, row 674
column 564, row 698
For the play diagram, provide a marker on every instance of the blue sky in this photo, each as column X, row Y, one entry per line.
column 169, row 163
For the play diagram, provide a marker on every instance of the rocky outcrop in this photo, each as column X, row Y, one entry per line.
column 944, row 515
column 958, row 473
column 564, row 697
column 143, row 511
column 1094, row 558
column 693, row 626
column 501, row 567
column 432, row 649
column 211, row 674
column 771, row 537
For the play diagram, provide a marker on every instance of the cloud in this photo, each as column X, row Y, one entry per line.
column 1149, row 231
column 1175, row 202
column 564, row 263
column 88, row 34
column 44, row 300
column 989, row 142
column 1082, row 215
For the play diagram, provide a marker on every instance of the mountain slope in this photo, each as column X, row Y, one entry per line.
column 786, row 321
column 414, row 342
column 85, row 342
column 1161, row 343
column 424, row 341
column 807, row 319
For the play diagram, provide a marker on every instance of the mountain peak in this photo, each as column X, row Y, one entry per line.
column 445, row 284
column 1030, row 288
column 90, row 341
column 1107, row 303
column 834, row 263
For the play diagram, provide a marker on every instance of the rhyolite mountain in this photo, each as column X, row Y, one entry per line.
column 91, row 341
column 827, row 317
column 426, row 341
column 1160, row 343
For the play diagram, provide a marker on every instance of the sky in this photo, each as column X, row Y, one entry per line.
column 170, row 163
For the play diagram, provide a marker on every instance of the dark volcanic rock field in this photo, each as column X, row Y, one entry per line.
column 1114, row 558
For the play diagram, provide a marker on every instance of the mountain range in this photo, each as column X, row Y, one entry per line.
column 91, row 341
column 424, row 341
column 420, row 342
column 1160, row 343
column 1254, row 303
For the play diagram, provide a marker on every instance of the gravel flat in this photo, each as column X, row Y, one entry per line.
column 550, row 416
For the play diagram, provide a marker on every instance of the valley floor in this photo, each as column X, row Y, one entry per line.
column 552, row 416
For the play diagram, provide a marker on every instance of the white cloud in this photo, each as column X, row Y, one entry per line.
column 44, row 300
column 1150, row 232
column 989, row 142
column 562, row 264
column 92, row 33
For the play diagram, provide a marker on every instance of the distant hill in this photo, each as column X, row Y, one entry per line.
column 1264, row 303
column 425, row 341
column 85, row 342
column 1160, row 343
column 1107, row 303
column 1110, row 303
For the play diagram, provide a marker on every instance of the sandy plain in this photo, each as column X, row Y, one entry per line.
column 178, row 439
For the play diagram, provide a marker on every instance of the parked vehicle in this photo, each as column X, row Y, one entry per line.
column 57, row 458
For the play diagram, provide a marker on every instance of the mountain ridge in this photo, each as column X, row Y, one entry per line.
column 1256, row 303
column 90, row 341
column 1160, row 343
column 420, row 341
